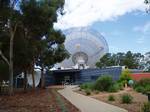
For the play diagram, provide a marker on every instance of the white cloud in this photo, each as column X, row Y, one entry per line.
column 85, row 12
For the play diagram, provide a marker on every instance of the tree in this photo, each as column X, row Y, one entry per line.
column 53, row 53
column 9, row 22
column 105, row 61
column 38, row 20
column 129, row 59
column 32, row 24
column 147, row 2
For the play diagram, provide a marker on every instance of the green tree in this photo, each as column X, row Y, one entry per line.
column 105, row 61
column 29, row 34
column 125, row 76
column 9, row 19
column 38, row 19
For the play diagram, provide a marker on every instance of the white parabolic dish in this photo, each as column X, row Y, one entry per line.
column 86, row 47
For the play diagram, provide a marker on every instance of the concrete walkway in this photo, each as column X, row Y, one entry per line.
column 88, row 104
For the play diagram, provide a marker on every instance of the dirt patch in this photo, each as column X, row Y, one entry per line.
column 135, row 106
column 47, row 100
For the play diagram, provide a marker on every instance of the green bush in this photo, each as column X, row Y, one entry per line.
column 103, row 83
column 125, row 75
column 144, row 82
column 147, row 88
column 146, row 107
column 142, row 86
column 87, row 86
column 111, row 98
column 114, row 88
column 126, row 98
column 121, row 86
column 140, row 89
column 88, row 92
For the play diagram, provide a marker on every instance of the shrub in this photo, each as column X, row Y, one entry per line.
column 146, row 107
column 88, row 92
column 120, row 86
column 139, row 89
column 126, row 98
column 147, row 88
column 87, row 86
column 142, row 86
column 103, row 83
column 114, row 88
column 125, row 75
column 111, row 98
column 144, row 82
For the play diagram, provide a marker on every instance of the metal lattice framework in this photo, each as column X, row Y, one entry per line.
column 86, row 46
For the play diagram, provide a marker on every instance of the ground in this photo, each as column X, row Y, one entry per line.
column 47, row 100
column 135, row 106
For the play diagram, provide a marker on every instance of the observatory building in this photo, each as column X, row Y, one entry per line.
column 85, row 46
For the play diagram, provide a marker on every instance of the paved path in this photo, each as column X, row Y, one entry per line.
column 88, row 104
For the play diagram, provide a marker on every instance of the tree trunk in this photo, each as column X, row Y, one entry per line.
column 33, row 79
column 12, row 34
column 11, row 65
column 42, row 77
column 25, row 82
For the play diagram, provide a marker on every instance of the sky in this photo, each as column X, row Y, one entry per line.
column 124, row 23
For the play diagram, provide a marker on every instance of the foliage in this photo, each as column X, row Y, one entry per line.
column 147, row 2
column 105, row 61
column 3, row 71
column 121, row 85
column 88, row 91
column 89, row 86
column 144, row 82
column 34, row 35
column 129, row 59
column 140, row 89
column 126, row 98
column 111, row 98
column 103, row 83
column 125, row 76
column 114, row 88
column 142, row 86
column 146, row 107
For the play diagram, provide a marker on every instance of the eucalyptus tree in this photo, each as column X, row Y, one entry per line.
column 25, row 30
column 9, row 21
column 38, row 19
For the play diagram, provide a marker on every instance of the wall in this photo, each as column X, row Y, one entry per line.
column 84, row 75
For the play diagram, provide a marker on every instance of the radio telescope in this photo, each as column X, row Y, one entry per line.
column 85, row 46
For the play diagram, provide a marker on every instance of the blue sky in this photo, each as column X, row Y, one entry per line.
column 124, row 23
column 127, row 32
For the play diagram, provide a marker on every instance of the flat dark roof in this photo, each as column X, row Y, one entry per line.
column 66, row 70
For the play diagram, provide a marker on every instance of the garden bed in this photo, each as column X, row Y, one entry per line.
column 135, row 106
column 47, row 100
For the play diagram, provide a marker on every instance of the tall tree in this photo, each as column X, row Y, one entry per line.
column 129, row 59
column 38, row 19
column 9, row 19
column 32, row 24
